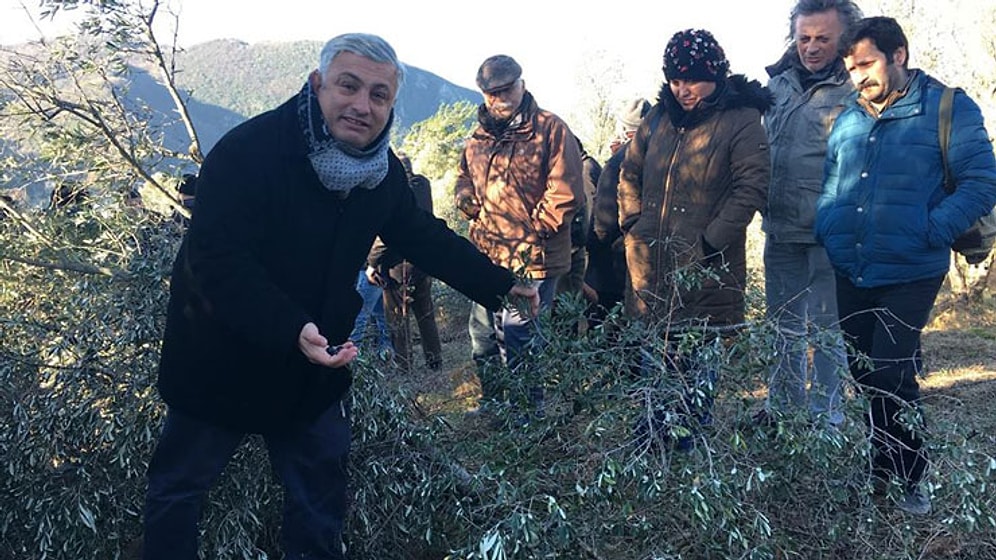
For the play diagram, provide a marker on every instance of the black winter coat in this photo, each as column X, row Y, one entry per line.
column 606, row 255
column 270, row 249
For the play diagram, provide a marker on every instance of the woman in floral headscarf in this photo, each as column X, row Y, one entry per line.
column 693, row 177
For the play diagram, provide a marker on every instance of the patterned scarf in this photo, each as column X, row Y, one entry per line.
column 340, row 167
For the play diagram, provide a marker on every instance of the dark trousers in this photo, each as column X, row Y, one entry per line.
column 597, row 312
column 309, row 462
column 402, row 301
column 884, row 324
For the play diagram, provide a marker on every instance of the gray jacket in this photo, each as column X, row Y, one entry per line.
column 798, row 125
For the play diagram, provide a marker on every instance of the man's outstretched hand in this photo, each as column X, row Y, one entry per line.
column 528, row 293
column 316, row 348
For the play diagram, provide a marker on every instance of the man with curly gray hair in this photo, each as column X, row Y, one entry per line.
column 810, row 84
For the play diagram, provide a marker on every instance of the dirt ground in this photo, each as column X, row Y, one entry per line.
column 959, row 349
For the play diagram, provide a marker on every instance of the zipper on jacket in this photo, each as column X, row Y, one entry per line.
column 665, row 202
column 497, row 149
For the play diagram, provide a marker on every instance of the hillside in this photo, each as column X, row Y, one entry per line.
column 223, row 83
column 251, row 78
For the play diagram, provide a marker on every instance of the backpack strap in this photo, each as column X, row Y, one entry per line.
column 944, row 134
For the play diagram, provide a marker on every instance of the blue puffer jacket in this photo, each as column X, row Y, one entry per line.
column 884, row 217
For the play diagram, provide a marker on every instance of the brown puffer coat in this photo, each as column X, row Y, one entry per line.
column 686, row 196
column 521, row 190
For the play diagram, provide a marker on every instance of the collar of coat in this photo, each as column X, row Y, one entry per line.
column 519, row 125
column 790, row 65
column 892, row 98
column 733, row 93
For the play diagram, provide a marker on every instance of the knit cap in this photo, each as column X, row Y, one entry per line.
column 631, row 113
column 695, row 55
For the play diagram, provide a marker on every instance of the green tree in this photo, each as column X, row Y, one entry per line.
column 435, row 144
column 70, row 104
column 83, row 281
column 434, row 147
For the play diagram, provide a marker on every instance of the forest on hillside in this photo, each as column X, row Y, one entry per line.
column 252, row 78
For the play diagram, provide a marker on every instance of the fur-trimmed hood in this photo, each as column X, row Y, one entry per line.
column 733, row 93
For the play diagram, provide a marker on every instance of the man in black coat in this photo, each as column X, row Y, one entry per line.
column 262, row 297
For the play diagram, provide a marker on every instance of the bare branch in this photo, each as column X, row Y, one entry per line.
column 69, row 266
column 168, row 72
column 27, row 13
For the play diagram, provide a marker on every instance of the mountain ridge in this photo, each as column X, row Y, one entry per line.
column 249, row 78
column 223, row 83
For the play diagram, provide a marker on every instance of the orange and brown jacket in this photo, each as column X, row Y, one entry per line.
column 520, row 191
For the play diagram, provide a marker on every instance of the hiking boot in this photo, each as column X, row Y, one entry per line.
column 914, row 501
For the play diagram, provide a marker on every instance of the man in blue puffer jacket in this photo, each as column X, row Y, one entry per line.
column 887, row 224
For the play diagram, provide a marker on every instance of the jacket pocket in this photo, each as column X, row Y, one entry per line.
column 708, row 268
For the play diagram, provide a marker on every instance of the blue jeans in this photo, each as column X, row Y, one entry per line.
column 481, row 326
column 515, row 333
column 310, row 463
column 800, row 288
column 484, row 351
column 372, row 310
column 884, row 324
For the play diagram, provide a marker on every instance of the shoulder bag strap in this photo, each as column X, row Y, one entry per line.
column 944, row 134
